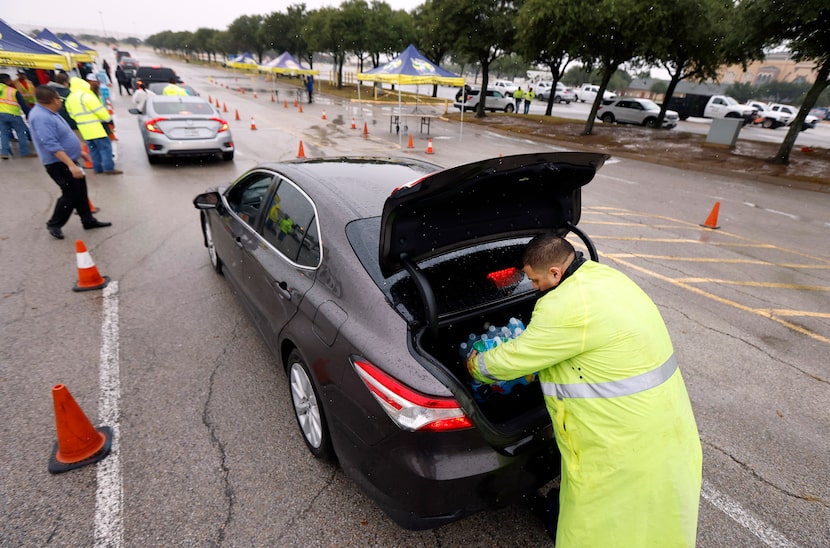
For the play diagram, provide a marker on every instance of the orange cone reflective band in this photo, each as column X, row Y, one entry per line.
column 410, row 145
column 88, row 276
column 78, row 442
column 712, row 219
column 301, row 152
column 429, row 147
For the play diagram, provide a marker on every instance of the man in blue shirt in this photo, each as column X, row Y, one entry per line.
column 59, row 149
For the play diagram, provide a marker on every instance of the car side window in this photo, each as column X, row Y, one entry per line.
column 246, row 196
column 290, row 225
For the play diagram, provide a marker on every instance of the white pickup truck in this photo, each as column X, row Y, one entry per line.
column 810, row 121
column 767, row 117
column 711, row 106
column 588, row 93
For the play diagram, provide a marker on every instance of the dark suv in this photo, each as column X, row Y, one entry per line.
column 147, row 75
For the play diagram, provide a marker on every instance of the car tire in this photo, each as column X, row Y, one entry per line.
column 215, row 261
column 607, row 118
column 768, row 123
column 650, row 122
column 509, row 108
column 154, row 160
column 558, row 99
column 308, row 408
column 227, row 156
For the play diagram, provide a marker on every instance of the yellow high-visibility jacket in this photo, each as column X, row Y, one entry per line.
column 631, row 455
column 173, row 89
column 86, row 109
column 8, row 100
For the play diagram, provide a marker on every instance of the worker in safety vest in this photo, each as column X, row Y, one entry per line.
column 518, row 95
column 11, row 118
column 26, row 88
column 630, row 450
column 90, row 114
column 173, row 88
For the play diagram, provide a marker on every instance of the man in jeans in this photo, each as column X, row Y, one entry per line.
column 11, row 118
column 90, row 114
column 59, row 150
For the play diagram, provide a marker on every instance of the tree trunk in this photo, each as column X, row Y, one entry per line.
column 783, row 154
column 482, row 96
column 607, row 71
column 675, row 79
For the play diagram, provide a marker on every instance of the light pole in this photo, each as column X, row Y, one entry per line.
column 101, row 13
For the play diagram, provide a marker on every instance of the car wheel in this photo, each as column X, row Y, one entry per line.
column 558, row 99
column 650, row 122
column 153, row 159
column 768, row 123
column 227, row 156
column 215, row 261
column 608, row 118
column 509, row 108
column 308, row 409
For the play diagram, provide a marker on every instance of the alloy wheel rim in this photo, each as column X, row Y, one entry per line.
column 306, row 407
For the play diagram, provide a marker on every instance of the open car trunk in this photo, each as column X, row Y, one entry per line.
column 450, row 258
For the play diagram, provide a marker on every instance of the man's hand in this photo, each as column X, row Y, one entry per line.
column 76, row 171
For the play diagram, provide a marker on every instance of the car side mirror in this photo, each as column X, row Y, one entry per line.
column 208, row 200
column 135, row 111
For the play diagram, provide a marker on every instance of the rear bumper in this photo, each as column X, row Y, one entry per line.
column 424, row 480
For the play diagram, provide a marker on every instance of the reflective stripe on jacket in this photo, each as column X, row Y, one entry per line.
column 86, row 109
column 27, row 90
column 631, row 456
column 8, row 100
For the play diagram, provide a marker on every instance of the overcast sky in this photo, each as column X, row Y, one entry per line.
column 145, row 18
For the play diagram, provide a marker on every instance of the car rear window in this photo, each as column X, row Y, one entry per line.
column 182, row 107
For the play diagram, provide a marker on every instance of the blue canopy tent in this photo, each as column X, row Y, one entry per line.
column 411, row 67
column 244, row 61
column 69, row 39
column 19, row 50
column 49, row 38
column 286, row 64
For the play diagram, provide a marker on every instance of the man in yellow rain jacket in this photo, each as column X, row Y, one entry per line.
column 173, row 88
column 631, row 456
column 90, row 114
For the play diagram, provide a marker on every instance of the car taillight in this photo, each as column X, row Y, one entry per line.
column 506, row 278
column 152, row 125
column 411, row 410
column 223, row 125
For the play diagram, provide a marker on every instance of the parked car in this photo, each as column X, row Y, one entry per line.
column 173, row 125
column 158, row 88
column 822, row 113
column 633, row 110
column 496, row 100
column 120, row 55
column 768, row 118
column 154, row 73
column 810, row 121
column 505, row 86
column 363, row 276
column 563, row 94
column 588, row 93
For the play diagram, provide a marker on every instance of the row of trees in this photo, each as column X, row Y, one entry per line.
column 691, row 39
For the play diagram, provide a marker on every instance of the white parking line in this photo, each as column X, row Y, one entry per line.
column 109, row 530
column 767, row 534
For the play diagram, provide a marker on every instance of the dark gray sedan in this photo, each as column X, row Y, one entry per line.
column 365, row 276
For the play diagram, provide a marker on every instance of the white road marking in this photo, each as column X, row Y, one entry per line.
column 109, row 529
column 767, row 534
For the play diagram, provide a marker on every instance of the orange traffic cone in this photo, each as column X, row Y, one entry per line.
column 429, row 146
column 295, row 103
column 301, row 152
column 254, row 95
column 712, row 219
column 237, row 114
column 79, row 443
column 92, row 208
column 209, row 99
column 253, row 124
column 224, row 107
column 88, row 276
column 353, row 125
column 324, row 114
column 285, row 103
column 217, row 102
column 301, row 108
column 365, row 130
column 109, row 107
column 410, row 145
column 273, row 99
column 88, row 163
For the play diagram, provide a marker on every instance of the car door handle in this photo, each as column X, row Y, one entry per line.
column 238, row 242
column 282, row 289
